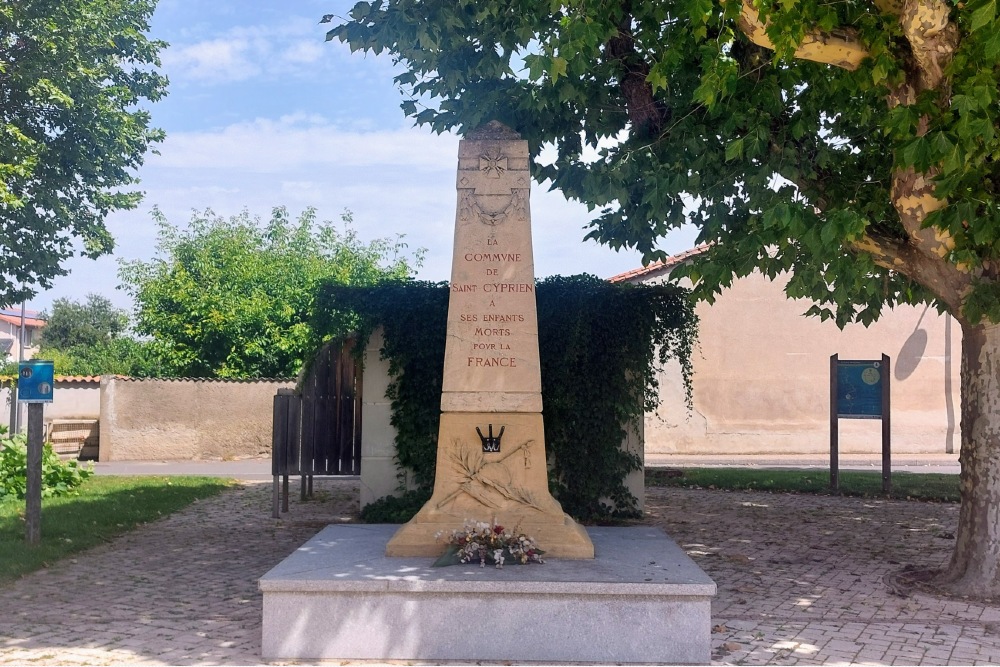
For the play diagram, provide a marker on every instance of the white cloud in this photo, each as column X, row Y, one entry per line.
column 296, row 49
column 223, row 59
column 395, row 181
column 227, row 150
column 303, row 52
column 274, row 146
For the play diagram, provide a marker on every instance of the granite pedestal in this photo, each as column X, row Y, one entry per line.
column 640, row 600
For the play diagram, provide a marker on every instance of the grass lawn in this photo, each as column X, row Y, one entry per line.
column 106, row 506
column 935, row 487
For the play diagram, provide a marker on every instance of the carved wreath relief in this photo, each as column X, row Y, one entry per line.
column 493, row 209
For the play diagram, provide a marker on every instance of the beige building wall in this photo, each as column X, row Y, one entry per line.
column 762, row 379
column 145, row 420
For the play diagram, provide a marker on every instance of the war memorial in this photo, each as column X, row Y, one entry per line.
column 371, row 592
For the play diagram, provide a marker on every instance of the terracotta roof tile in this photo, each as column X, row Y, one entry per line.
column 659, row 266
column 61, row 378
column 16, row 320
column 229, row 380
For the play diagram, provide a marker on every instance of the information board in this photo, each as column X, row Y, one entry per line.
column 34, row 381
column 859, row 389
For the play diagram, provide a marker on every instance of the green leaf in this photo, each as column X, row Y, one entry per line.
column 964, row 104
column 361, row 10
column 734, row 149
column 449, row 557
column 982, row 15
column 991, row 42
column 879, row 73
column 536, row 66
column 828, row 233
column 557, row 68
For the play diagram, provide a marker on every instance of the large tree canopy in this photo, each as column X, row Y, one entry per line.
column 852, row 144
column 72, row 74
column 231, row 297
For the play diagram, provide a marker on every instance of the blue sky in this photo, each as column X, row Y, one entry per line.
column 262, row 112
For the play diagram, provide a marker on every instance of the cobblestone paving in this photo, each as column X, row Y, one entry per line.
column 801, row 581
column 180, row 591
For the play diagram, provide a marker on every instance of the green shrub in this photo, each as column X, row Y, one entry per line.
column 395, row 509
column 59, row 478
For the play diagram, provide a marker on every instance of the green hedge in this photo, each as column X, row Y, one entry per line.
column 600, row 347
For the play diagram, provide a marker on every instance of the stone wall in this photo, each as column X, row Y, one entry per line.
column 145, row 420
column 73, row 397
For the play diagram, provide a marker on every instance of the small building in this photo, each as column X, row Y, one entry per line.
column 762, row 376
column 10, row 333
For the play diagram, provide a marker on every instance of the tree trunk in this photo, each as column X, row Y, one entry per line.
column 975, row 565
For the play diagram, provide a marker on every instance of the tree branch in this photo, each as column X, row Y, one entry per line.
column 942, row 278
column 645, row 115
column 933, row 39
column 839, row 48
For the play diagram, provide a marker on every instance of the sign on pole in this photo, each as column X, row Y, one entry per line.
column 35, row 379
column 859, row 389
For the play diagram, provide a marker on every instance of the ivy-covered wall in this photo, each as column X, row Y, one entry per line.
column 600, row 347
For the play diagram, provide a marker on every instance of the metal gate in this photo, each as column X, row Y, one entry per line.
column 318, row 431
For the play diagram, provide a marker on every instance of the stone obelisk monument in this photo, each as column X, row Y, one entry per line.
column 491, row 442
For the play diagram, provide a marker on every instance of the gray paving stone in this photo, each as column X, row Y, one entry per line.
column 805, row 572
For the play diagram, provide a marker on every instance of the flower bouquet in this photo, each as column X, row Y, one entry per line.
column 488, row 543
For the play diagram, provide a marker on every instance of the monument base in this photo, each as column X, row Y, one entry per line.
column 566, row 540
column 641, row 600
column 508, row 486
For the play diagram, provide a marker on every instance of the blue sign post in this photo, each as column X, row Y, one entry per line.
column 35, row 379
column 859, row 389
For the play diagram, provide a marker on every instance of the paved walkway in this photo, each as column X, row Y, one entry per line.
column 801, row 581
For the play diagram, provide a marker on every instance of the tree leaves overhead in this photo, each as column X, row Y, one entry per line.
column 73, row 77
column 662, row 113
column 853, row 144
